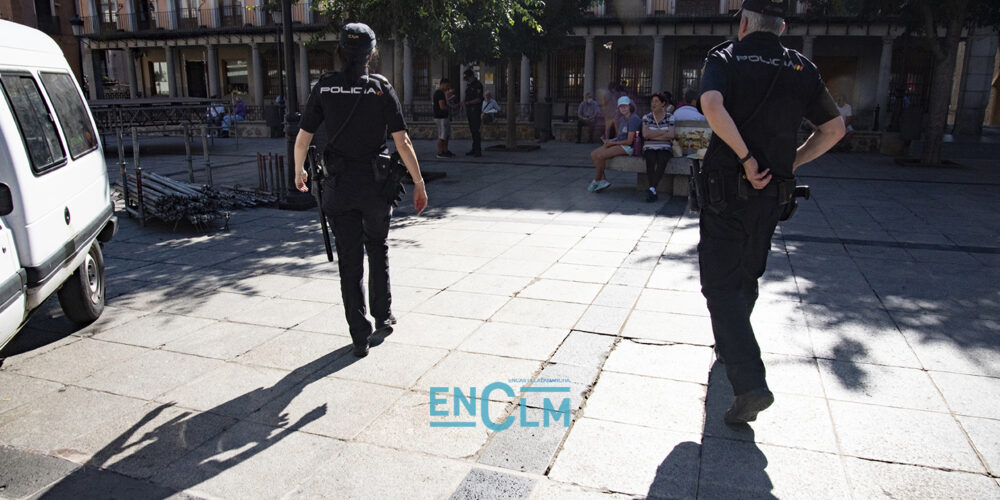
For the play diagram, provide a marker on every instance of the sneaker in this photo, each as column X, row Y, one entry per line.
column 651, row 196
column 746, row 406
column 449, row 154
column 602, row 185
column 442, row 155
column 592, row 186
column 476, row 154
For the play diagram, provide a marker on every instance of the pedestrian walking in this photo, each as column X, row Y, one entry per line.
column 358, row 110
column 754, row 94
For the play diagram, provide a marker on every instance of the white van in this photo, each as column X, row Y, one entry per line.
column 55, row 202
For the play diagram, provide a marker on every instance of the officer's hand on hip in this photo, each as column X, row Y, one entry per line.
column 419, row 197
column 301, row 179
column 757, row 179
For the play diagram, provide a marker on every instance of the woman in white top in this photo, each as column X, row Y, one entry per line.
column 657, row 134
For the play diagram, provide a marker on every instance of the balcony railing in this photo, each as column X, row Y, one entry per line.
column 627, row 9
column 226, row 16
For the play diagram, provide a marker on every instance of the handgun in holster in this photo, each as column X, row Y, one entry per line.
column 390, row 171
column 788, row 192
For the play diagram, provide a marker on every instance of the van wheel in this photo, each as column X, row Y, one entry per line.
column 82, row 295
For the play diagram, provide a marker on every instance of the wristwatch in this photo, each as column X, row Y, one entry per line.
column 746, row 158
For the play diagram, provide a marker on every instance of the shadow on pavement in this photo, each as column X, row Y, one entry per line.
column 729, row 464
column 192, row 447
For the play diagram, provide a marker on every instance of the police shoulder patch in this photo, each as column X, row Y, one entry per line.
column 722, row 46
column 379, row 77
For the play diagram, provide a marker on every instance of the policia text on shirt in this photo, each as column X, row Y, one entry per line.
column 358, row 110
column 754, row 95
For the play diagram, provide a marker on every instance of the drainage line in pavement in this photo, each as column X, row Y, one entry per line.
column 893, row 244
column 883, row 179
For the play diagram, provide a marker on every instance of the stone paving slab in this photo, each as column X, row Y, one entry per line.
column 224, row 370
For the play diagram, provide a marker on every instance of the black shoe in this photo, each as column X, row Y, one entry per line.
column 449, row 154
column 361, row 351
column 651, row 196
column 746, row 406
column 385, row 325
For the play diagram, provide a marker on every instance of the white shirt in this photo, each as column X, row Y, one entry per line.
column 845, row 110
column 688, row 113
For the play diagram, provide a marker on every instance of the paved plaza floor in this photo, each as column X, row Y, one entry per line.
column 221, row 367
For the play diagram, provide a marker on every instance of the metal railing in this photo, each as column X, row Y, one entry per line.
column 225, row 16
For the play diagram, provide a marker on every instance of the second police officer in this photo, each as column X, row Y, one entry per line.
column 358, row 109
column 754, row 94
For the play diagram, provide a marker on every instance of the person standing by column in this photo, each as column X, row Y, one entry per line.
column 754, row 94
column 358, row 109
column 587, row 115
column 473, row 110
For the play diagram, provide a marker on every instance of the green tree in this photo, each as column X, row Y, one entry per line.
column 925, row 20
column 507, row 29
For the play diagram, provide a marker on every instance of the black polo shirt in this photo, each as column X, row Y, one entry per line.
column 474, row 92
column 743, row 71
column 378, row 114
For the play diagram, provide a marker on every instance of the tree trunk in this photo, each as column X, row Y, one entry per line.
column 511, row 111
column 940, row 98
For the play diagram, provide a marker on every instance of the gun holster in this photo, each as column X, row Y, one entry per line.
column 389, row 172
column 788, row 192
column 709, row 188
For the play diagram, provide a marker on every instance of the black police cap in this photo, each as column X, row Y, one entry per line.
column 357, row 37
column 776, row 8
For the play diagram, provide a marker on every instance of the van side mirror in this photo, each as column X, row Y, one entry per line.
column 6, row 200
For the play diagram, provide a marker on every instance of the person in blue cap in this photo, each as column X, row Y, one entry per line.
column 358, row 109
column 629, row 125
column 754, row 94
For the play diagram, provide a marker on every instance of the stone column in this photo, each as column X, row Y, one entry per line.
column 542, row 79
column 658, row 63
column 882, row 87
column 88, row 72
column 171, row 71
column 807, row 46
column 257, row 68
column 133, row 84
column 407, row 76
column 214, row 87
column 588, row 66
column 525, row 85
column 303, row 68
column 980, row 54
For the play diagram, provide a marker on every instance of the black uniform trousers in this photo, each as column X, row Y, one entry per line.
column 360, row 219
column 475, row 121
column 732, row 256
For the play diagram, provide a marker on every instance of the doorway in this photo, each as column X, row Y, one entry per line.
column 196, row 78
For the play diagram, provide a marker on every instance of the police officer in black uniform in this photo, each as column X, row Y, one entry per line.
column 754, row 93
column 358, row 109
column 473, row 110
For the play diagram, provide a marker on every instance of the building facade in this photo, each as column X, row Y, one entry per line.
column 180, row 48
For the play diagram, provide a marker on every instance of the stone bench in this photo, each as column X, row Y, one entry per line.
column 692, row 136
column 675, row 177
